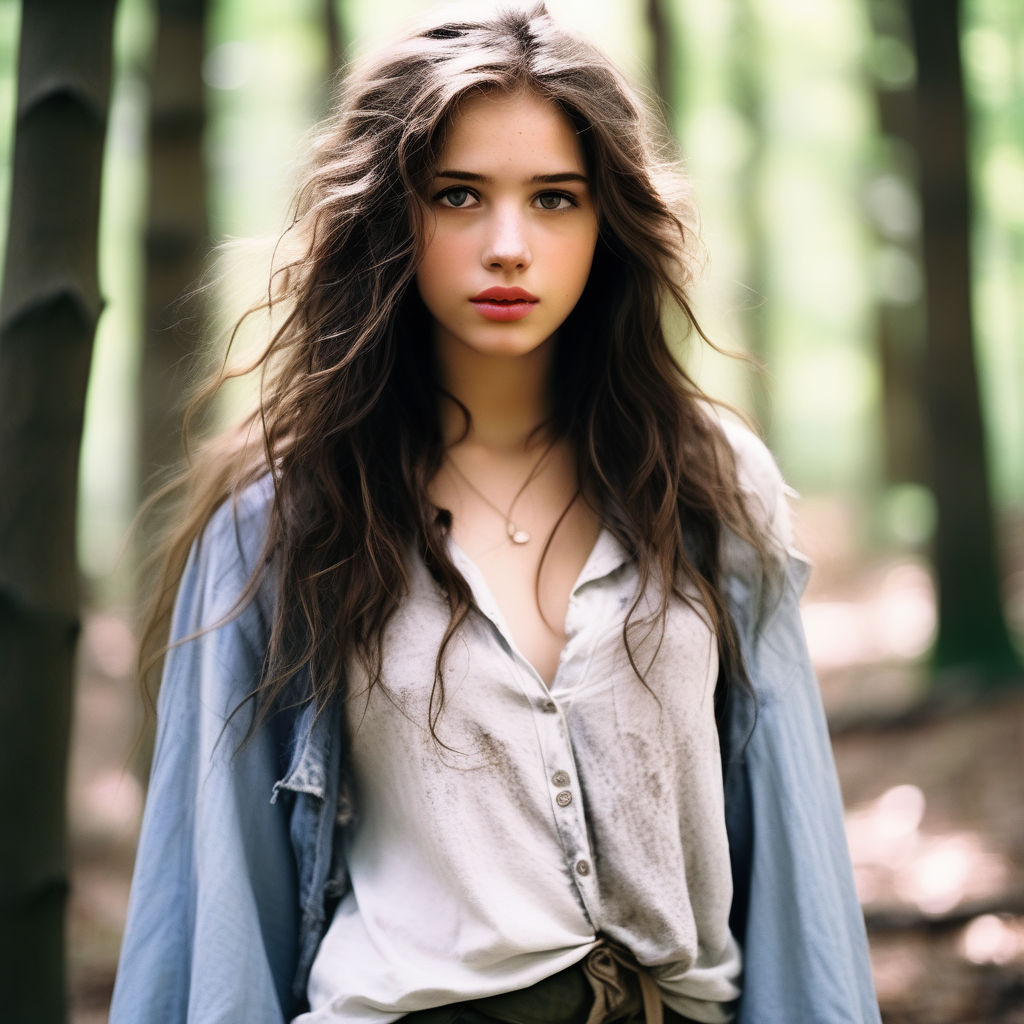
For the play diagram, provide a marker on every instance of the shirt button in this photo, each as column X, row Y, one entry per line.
column 582, row 867
column 549, row 707
column 564, row 798
column 560, row 778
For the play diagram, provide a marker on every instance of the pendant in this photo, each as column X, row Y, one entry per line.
column 515, row 535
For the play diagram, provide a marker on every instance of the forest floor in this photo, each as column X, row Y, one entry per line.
column 934, row 802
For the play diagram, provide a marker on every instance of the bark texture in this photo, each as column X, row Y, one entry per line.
column 49, row 306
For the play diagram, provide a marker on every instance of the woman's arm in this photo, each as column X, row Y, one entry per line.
column 213, row 917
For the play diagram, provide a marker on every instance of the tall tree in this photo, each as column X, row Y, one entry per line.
column 659, row 28
column 176, row 244
column 336, row 36
column 334, row 32
column 973, row 639
column 176, row 232
column 747, row 67
column 899, row 329
column 49, row 306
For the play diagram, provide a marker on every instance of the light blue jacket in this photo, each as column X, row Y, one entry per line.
column 239, row 863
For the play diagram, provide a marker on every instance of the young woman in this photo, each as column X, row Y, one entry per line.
column 486, row 696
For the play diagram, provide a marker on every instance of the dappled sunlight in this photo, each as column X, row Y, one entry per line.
column 897, row 621
column 934, row 829
column 945, row 870
column 896, row 861
column 990, row 939
column 108, row 804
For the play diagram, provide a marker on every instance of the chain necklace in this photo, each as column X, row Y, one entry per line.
column 514, row 534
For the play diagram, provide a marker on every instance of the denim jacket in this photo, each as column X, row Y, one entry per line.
column 239, row 863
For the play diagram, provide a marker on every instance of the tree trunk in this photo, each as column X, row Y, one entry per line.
column 176, row 244
column 49, row 306
column 334, row 29
column 662, row 52
column 899, row 333
column 336, row 43
column 177, row 234
column 973, row 647
column 748, row 88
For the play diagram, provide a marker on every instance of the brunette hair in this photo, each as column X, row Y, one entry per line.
column 347, row 412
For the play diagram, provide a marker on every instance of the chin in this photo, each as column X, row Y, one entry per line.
column 509, row 351
column 509, row 347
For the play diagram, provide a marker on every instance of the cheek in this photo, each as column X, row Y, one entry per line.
column 429, row 274
column 575, row 256
column 441, row 268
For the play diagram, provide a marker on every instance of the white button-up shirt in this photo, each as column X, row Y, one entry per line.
column 242, row 843
column 492, row 856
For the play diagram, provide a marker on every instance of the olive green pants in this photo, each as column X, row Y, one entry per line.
column 606, row 987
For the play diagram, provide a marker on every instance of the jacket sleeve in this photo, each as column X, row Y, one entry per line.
column 795, row 910
column 212, row 920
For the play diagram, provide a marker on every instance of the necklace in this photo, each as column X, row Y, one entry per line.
column 514, row 534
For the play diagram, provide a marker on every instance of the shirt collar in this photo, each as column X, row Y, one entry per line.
column 606, row 557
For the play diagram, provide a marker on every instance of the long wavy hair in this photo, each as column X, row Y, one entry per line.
column 347, row 421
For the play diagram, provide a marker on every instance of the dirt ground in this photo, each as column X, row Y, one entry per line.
column 937, row 837
column 934, row 807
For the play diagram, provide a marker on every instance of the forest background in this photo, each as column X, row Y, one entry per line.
column 822, row 140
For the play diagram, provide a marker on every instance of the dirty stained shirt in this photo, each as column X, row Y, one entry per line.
column 492, row 857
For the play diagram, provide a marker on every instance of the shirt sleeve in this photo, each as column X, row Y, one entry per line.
column 212, row 918
column 795, row 910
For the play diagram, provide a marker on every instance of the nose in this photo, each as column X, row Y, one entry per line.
column 506, row 246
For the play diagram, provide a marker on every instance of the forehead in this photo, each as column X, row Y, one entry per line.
column 498, row 131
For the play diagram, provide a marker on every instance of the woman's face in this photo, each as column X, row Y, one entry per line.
column 513, row 226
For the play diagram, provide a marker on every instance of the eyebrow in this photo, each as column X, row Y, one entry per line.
column 537, row 179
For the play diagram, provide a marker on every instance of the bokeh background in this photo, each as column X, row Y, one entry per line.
column 822, row 139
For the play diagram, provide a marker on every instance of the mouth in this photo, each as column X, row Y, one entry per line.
column 504, row 304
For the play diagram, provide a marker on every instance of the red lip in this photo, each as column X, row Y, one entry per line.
column 504, row 304
column 504, row 295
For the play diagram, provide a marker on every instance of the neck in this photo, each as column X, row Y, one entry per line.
column 508, row 397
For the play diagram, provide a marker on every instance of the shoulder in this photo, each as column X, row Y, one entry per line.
column 235, row 536
column 228, row 574
column 761, row 483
